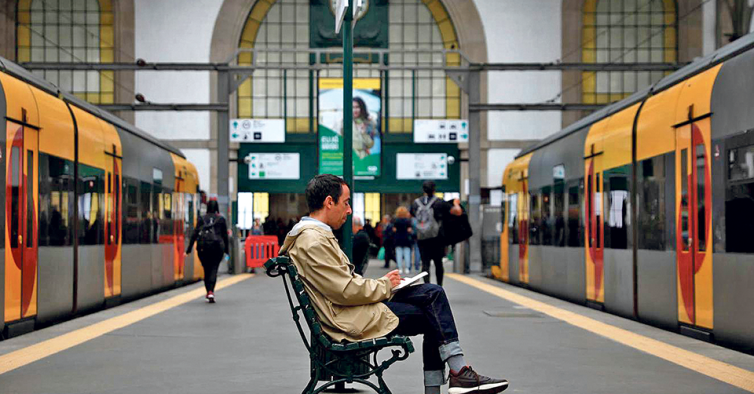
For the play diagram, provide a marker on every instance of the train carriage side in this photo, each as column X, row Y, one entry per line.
column 556, row 258
column 732, row 158
column 515, row 266
column 148, row 182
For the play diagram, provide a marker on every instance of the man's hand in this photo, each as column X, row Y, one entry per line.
column 395, row 278
column 456, row 210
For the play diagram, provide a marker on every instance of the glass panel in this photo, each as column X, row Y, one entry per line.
column 575, row 193
column 513, row 218
column 598, row 212
column 534, row 219
column 741, row 163
column 558, row 196
column 651, row 200
column 590, row 210
column 29, row 199
column 685, row 236
column 700, row 198
column 547, row 219
column 15, row 213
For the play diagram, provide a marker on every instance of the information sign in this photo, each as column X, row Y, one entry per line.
column 421, row 166
column 274, row 166
column 428, row 131
column 257, row 130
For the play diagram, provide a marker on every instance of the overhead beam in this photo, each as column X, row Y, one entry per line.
column 578, row 66
column 165, row 107
column 535, row 107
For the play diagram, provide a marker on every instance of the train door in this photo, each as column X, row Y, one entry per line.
column 693, row 244
column 21, row 190
column 113, row 225
column 523, row 230
column 595, row 229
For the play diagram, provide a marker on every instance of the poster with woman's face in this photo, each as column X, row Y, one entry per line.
column 367, row 139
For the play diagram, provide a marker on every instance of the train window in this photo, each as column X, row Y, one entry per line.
column 55, row 201
column 130, row 211
column 534, row 217
column 154, row 235
column 575, row 226
column 145, row 208
column 700, row 198
column 741, row 163
column 558, row 197
column 547, row 219
column 739, row 209
column 685, row 236
column 513, row 218
column 29, row 198
column 597, row 211
column 651, row 197
column 91, row 186
column 15, row 162
column 617, row 217
column 588, row 211
column 118, row 204
column 166, row 227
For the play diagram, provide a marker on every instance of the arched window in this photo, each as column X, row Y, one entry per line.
column 69, row 31
column 626, row 31
column 292, row 94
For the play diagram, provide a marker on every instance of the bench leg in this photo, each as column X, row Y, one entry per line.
column 383, row 385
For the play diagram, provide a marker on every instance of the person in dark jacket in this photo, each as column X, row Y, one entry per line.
column 360, row 247
column 212, row 256
column 403, row 239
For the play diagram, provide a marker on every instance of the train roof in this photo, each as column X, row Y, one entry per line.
column 731, row 50
column 40, row 83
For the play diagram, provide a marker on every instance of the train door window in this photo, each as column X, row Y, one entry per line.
column 547, row 219
column 597, row 211
column 513, row 218
column 29, row 198
column 15, row 162
column 574, row 233
column 91, row 205
column 739, row 201
column 108, row 217
column 558, row 197
column 618, row 208
column 651, row 200
column 167, row 214
column 589, row 209
column 145, row 202
column 700, row 198
column 115, row 207
column 534, row 219
column 686, row 237
column 130, row 211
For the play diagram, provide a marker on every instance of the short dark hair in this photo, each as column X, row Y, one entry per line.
column 213, row 207
column 428, row 187
column 320, row 187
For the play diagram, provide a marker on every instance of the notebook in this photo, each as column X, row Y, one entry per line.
column 405, row 282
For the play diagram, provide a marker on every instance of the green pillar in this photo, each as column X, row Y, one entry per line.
column 348, row 119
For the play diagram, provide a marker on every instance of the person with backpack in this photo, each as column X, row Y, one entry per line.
column 429, row 212
column 211, row 237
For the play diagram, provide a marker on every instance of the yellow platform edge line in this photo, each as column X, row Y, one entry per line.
column 30, row 354
column 719, row 370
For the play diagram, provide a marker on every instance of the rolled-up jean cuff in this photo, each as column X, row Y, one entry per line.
column 449, row 350
column 434, row 378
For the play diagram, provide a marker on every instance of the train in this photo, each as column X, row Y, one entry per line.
column 96, row 210
column 645, row 208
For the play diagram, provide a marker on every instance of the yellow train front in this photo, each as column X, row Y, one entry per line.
column 96, row 211
column 646, row 208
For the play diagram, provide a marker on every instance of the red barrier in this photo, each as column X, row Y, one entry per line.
column 259, row 249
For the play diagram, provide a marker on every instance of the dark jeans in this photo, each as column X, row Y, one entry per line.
column 432, row 250
column 210, row 263
column 424, row 309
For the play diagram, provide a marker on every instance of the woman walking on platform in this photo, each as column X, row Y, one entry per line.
column 402, row 238
column 211, row 236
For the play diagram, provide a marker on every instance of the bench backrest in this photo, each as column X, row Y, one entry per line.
column 281, row 265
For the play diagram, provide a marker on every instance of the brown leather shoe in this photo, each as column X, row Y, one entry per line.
column 468, row 381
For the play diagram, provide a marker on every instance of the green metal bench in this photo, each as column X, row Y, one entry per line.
column 334, row 362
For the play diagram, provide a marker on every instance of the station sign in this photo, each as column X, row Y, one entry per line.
column 257, row 130
column 421, row 166
column 440, row 131
column 274, row 165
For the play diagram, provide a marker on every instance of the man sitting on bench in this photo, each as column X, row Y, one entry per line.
column 354, row 308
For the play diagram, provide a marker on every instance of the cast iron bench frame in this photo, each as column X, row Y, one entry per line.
column 337, row 363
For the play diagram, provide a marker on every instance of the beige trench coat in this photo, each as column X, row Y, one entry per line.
column 348, row 305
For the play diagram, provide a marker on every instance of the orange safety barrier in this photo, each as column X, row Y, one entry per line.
column 259, row 249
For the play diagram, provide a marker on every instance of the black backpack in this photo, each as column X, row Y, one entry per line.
column 208, row 241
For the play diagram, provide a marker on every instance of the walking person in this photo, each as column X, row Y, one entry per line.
column 402, row 239
column 387, row 240
column 211, row 237
column 429, row 211
column 360, row 247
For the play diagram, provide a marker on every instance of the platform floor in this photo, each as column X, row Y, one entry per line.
column 174, row 342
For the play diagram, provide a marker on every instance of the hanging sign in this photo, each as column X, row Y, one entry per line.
column 440, row 131
column 274, row 166
column 257, row 130
column 421, row 166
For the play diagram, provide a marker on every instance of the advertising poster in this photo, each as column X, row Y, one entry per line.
column 367, row 140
